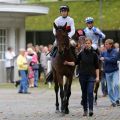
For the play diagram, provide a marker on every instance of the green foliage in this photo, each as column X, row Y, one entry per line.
column 79, row 10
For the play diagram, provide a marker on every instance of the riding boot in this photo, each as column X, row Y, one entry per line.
column 53, row 51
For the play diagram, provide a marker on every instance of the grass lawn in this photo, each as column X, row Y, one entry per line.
column 41, row 85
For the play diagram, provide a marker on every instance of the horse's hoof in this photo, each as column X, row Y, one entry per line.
column 57, row 111
column 62, row 113
column 66, row 111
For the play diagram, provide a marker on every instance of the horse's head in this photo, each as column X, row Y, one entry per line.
column 62, row 38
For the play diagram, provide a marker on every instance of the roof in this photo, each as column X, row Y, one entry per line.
column 28, row 10
column 11, row 1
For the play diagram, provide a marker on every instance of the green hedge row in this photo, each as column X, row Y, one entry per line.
column 79, row 10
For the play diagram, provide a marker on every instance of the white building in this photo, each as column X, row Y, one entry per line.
column 12, row 26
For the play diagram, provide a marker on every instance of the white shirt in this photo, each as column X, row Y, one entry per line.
column 95, row 35
column 60, row 21
column 9, row 58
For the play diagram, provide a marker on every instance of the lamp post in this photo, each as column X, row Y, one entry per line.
column 100, row 18
column 100, row 12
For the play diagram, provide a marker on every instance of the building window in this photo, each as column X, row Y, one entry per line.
column 3, row 41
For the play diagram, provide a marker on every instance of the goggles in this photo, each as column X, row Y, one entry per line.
column 90, row 22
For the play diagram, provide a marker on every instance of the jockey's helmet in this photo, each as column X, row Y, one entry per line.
column 89, row 20
column 64, row 8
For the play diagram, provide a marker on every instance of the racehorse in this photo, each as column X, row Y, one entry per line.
column 60, row 70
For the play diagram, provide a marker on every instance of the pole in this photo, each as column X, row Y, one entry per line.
column 100, row 2
column 100, row 17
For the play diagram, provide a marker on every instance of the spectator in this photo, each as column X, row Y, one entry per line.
column 49, row 67
column 35, row 67
column 41, row 48
column 9, row 64
column 102, row 74
column 29, row 45
column 43, row 61
column 116, row 45
column 119, row 54
column 110, row 58
column 80, row 36
column 23, row 69
column 29, row 57
column 37, row 50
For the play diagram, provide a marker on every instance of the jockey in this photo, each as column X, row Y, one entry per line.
column 93, row 33
column 61, row 21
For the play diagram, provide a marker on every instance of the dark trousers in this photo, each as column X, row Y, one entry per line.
column 10, row 74
column 87, row 87
column 40, row 71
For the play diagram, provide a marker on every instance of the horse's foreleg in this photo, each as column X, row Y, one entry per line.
column 56, row 88
column 68, row 95
column 62, row 96
column 56, row 92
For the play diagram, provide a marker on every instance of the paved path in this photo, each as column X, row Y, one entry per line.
column 40, row 105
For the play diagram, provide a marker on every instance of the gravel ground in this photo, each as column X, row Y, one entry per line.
column 40, row 105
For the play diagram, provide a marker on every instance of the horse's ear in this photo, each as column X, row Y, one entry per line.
column 55, row 26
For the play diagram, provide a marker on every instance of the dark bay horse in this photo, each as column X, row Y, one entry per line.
column 60, row 70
